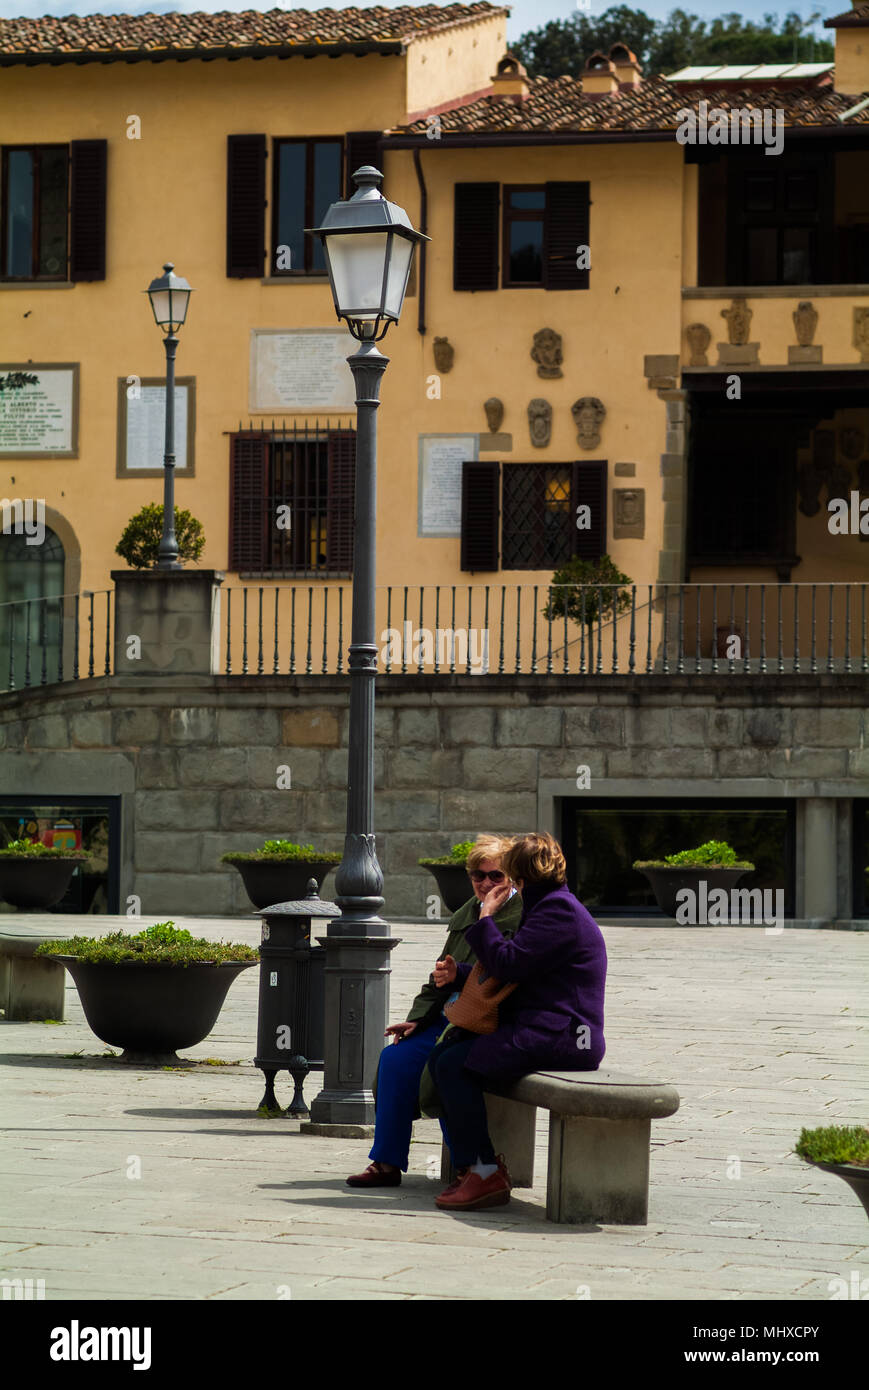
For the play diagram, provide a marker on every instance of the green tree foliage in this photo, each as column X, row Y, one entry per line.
column 664, row 46
column 140, row 543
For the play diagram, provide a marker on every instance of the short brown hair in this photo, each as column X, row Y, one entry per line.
column 535, row 858
column 487, row 847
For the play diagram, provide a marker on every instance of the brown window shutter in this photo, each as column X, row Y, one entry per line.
column 87, row 228
column 481, row 513
column 340, row 521
column 245, row 205
column 248, row 502
column 566, row 227
column 360, row 147
column 475, row 236
column 589, row 488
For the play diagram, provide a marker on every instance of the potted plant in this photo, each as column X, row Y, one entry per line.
column 590, row 592
column 839, row 1149
column 154, row 992
column 140, row 543
column 35, row 876
column 451, row 875
column 279, row 870
column 714, row 863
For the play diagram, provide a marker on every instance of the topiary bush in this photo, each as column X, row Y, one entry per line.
column 140, row 543
column 161, row 944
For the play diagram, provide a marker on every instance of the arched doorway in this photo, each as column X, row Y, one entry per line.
column 31, row 609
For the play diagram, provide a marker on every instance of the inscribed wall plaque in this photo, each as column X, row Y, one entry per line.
column 440, row 482
column 39, row 418
column 301, row 369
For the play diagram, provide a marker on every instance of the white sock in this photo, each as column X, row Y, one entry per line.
column 485, row 1170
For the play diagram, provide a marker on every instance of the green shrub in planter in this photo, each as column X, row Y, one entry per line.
column 279, row 871
column 281, row 850
column 714, row 854
column 835, row 1144
column 161, row 944
column 140, row 543
column 34, row 849
column 457, row 855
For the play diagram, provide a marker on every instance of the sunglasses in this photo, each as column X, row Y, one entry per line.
column 496, row 876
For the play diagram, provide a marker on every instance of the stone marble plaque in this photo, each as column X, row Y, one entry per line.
column 142, row 428
column 440, row 482
column 39, row 419
column 629, row 521
column 301, row 369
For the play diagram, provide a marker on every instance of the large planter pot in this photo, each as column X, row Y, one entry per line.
column 35, row 883
column 150, row 1010
column 667, row 882
column 855, row 1176
column 453, row 884
column 269, row 881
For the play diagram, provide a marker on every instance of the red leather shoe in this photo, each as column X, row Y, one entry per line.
column 474, row 1192
column 373, row 1177
column 457, row 1181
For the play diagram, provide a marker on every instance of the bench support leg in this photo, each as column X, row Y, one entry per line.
column 34, row 990
column 598, row 1170
column 511, row 1129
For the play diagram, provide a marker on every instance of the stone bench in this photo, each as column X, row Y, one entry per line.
column 599, row 1141
column 33, row 989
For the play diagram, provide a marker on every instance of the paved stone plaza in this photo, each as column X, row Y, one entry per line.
column 759, row 1034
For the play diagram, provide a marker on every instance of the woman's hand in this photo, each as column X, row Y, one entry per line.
column 495, row 898
column 444, row 971
column 399, row 1031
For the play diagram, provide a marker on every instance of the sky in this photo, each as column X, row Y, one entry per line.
column 526, row 14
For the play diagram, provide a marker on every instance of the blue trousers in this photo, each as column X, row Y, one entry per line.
column 462, row 1099
column 398, row 1077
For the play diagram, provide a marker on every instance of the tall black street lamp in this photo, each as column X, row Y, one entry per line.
column 169, row 295
column 368, row 244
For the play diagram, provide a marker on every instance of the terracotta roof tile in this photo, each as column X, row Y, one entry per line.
column 557, row 104
column 124, row 34
column 849, row 19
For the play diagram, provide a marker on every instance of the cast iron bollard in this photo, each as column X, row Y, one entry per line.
column 291, row 1020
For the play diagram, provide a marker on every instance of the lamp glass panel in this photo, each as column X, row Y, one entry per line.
column 399, row 270
column 357, row 262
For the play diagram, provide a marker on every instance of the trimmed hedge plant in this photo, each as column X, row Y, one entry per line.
column 161, row 944
column 280, row 850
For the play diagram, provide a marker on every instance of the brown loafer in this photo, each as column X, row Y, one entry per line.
column 475, row 1192
column 373, row 1177
column 457, row 1181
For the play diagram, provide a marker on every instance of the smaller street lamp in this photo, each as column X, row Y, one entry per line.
column 169, row 295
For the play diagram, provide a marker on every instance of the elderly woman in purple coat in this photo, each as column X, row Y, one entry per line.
column 554, row 1018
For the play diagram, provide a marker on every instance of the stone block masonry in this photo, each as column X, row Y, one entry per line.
column 195, row 760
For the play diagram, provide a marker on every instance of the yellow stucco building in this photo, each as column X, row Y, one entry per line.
column 622, row 338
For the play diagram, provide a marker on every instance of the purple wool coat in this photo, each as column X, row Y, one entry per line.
column 558, row 959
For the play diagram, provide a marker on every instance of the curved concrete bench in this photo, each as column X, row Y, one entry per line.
column 599, row 1139
column 33, row 989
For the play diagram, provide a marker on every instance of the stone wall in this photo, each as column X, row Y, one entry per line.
column 195, row 760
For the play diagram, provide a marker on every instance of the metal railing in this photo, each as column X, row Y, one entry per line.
column 67, row 637
column 719, row 629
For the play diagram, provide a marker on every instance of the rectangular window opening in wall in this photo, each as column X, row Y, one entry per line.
column 88, row 823
column 521, row 236
column 35, row 234
column 603, row 836
column 292, row 501
column 527, row 514
column 307, row 177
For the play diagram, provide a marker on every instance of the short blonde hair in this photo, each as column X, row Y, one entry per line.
column 534, row 858
column 487, row 847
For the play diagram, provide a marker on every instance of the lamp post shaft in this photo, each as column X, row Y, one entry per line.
column 359, row 941
column 167, row 556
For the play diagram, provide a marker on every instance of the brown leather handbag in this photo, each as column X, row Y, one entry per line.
column 476, row 1008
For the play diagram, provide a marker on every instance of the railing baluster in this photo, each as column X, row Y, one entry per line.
column 43, row 643
column 731, row 665
column 848, row 629
column 325, row 593
column 453, row 630
column 275, row 654
column 666, row 666
column 680, row 656
column 616, row 597
column 484, row 638
column 77, row 639
column 27, row 607
column 831, row 665
column 340, row 666
column 437, row 623
column 228, row 632
column 293, row 631
column 813, row 665
column 11, row 685
column 60, row 638
column 599, row 653
column 649, row 635
column 259, row 638
column 108, row 625
column 715, row 629
column 863, row 654
column 763, row 629
column 747, row 648
column 470, row 622
column 633, row 633
column 518, row 625
column 582, row 670
column 404, row 634
column 698, row 653
column 534, row 637
column 91, row 635
column 501, row 633
column 310, row 617
column 564, row 617
column 781, row 654
column 796, row 592
column 421, row 665
column 244, row 631
column 389, row 630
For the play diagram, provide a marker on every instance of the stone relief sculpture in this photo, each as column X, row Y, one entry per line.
column 539, row 422
column 852, row 442
column 547, row 353
column 494, row 409
column 738, row 318
column 861, row 333
column 699, row 338
column 805, row 317
column 588, row 416
column 444, row 354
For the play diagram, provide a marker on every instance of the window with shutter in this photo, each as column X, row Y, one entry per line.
column 248, row 501
column 537, row 517
column 361, row 147
column 306, row 180
column 566, row 228
column 245, row 205
column 481, row 486
column 475, row 236
column 589, row 489
column 87, row 223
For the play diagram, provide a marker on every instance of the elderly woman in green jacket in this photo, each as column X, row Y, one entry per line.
column 401, row 1067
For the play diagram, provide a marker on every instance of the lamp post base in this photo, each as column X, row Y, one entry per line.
column 338, row 1131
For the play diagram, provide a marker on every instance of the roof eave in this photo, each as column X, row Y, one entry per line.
column 358, row 49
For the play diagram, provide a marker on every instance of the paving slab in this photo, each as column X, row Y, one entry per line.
column 760, row 1036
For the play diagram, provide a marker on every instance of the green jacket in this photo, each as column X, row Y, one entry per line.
column 427, row 1007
